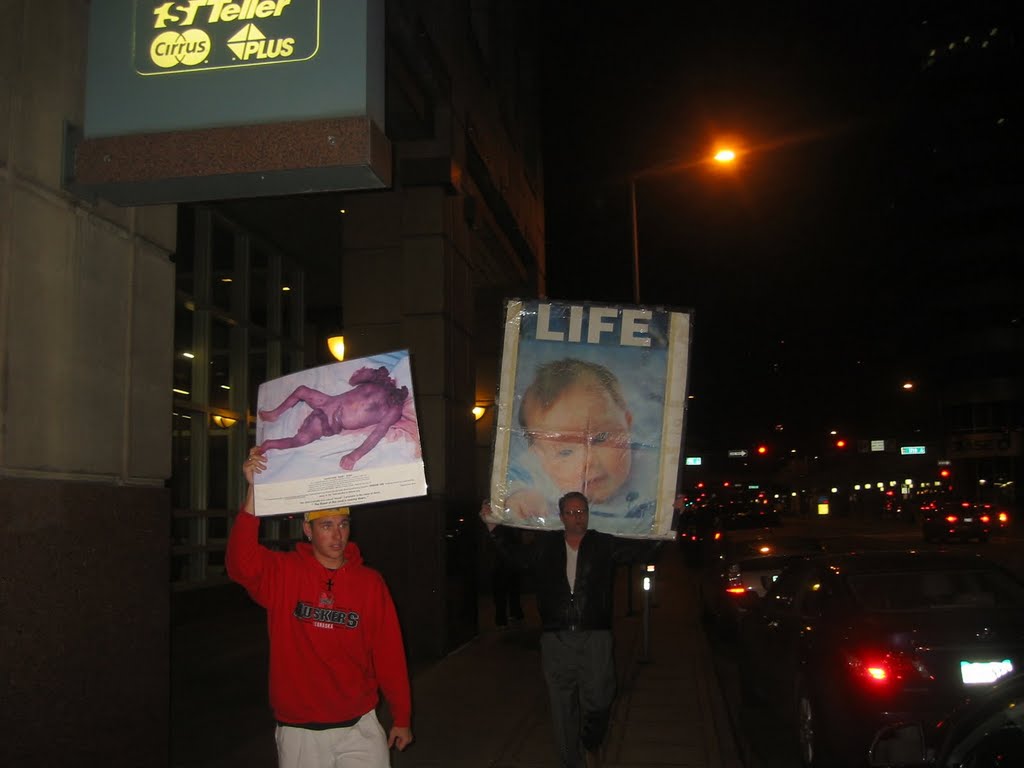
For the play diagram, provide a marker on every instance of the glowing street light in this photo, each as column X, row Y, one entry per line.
column 723, row 156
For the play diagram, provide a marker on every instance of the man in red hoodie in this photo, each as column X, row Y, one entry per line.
column 334, row 640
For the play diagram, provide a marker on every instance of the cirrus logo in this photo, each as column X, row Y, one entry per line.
column 188, row 48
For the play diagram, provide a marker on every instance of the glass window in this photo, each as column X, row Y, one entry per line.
column 184, row 354
column 179, row 568
column 220, row 364
column 817, row 594
column 291, row 306
column 294, row 361
column 928, row 590
column 181, row 451
column 784, row 591
column 217, row 527
column 257, row 370
column 217, row 386
column 259, row 286
column 218, row 477
column 222, row 273
column 181, row 533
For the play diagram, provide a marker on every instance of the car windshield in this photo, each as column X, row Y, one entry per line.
column 925, row 590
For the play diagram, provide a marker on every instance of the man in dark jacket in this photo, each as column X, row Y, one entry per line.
column 574, row 573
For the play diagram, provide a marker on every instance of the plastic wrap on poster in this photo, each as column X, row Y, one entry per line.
column 591, row 398
column 339, row 435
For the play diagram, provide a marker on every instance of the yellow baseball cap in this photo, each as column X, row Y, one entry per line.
column 325, row 513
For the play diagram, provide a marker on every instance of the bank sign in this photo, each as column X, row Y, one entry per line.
column 197, row 35
column 181, row 65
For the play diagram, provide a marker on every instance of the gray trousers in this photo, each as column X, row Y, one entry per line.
column 580, row 672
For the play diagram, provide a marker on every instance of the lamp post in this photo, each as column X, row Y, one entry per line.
column 724, row 156
column 636, row 240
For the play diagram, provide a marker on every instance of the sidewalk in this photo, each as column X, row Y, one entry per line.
column 485, row 704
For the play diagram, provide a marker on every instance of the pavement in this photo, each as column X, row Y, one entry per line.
column 485, row 704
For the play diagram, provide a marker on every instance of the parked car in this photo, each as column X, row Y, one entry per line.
column 741, row 517
column 843, row 644
column 742, row 568
column 987, row 731
column 945, row 520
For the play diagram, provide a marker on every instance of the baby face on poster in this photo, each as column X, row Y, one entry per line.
column 576, row 421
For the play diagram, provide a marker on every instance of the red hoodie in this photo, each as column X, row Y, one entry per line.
column 330, row 650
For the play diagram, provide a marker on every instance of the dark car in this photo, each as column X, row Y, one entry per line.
column 742, row 568
column 946, row 520
column 844, row 644
column 699, row 527
column 987, row 731
column 704, row 529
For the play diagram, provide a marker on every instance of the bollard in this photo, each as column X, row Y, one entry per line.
column 648, row 589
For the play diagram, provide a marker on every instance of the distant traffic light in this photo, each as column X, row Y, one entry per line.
column 945, row 473
column 840, row 443
column 762, row 450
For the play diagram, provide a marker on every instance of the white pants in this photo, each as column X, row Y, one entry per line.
column 363, row 745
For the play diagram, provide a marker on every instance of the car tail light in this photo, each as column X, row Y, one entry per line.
column 734, row 580
column 951, row 518
column 881, row 670
column 985, row 519
column 1003, row 517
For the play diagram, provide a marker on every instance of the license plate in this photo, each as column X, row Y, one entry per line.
column 982, row 672
column 968, row 519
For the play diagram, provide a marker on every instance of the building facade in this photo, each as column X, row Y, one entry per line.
column 957, row 210
column 133, row 339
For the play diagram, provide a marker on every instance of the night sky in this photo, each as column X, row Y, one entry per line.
column 789, row 260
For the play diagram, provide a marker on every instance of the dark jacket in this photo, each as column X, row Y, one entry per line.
column 590, row 606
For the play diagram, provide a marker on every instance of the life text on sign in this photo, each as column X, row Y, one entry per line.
column 591, row 324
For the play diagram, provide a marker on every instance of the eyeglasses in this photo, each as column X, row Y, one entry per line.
column 575, row 512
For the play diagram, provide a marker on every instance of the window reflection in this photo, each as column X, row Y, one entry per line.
column 216, row 385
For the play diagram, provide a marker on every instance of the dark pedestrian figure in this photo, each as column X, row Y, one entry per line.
column 506, row 587
column 574, row 572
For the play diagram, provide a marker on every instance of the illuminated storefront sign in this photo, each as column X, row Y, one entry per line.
column 198, row 35
column 184, row 65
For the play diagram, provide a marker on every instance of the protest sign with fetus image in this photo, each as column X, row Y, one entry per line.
column 591, row 399
column 341, row 434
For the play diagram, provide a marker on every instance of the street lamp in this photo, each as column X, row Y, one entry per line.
column 723, row 156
